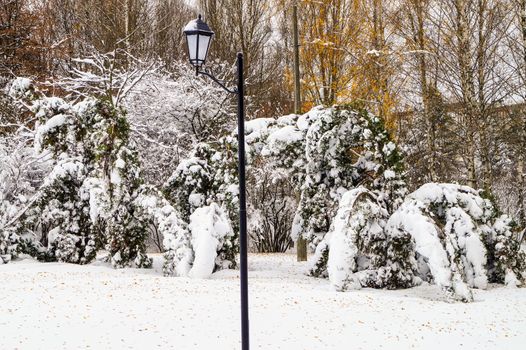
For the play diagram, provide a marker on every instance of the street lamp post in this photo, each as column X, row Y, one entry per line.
column 198, row 38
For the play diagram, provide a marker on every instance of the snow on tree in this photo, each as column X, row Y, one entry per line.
column 331, row 151
column 320, row 155
column 271, row 207
column 63, row 209
column 86, row 202
column 325, row 153
column 191, row 184
column 280, row 143
column 209, row 176
column 506, row 260
column 275, row 158
column 345, row 148
column 362, row 253
column 172, row 111
column 211, row 241
column 21, row 170
column 176, row 237
column 458, row 241
column 442, row 233
column 114, row 161
column 60, row 205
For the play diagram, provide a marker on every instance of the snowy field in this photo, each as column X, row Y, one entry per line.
column 61, row 306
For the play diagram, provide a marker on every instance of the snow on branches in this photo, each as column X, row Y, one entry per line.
column 324, row 153
column 208, row 178
column 171, row 112
column 345, row 148
column 212, row 240
column 86, row 202
column 350, row 176
column 110, row 76
column 151, row 203
column 361, row 252
column 442, row 233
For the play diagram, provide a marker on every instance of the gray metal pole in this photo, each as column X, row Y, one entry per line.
column 243, row 242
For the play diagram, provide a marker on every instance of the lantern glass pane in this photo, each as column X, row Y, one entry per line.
column 204, row 41
column 192, row 47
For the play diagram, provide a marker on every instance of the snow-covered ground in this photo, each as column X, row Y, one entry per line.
column 61, row 306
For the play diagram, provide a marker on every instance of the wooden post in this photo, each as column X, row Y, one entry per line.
column 301, row 244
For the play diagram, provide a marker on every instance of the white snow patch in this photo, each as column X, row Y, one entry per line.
column 209, row 226
column 288, row 310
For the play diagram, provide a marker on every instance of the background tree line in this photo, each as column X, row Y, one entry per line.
column 448, row 77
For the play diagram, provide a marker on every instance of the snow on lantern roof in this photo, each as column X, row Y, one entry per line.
column 197, row 25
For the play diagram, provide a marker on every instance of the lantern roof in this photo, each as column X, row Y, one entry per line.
column 197, row 25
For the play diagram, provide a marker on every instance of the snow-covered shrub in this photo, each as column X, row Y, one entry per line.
column 442, row 233
column 280, row 143
column 20, row 172
column 506, row 260
column 176, row 238
column 208, row 176
column 58, row 205
column 65, row 212
column 125, row 231
column 320, row 154
column 447, row 222
column 276, row 169
column 191, row 184
column 458, row 242
column 323, row 154
column 208, row 243
column 211, row 241
column 87, row 200
column 361, row 252
column 345, row 148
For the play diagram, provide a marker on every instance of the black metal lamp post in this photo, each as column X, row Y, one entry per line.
column 198, row 38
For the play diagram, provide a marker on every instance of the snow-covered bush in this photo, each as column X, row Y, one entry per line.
column 176, row 238
column 316, row 157
column 208, row 176
column 211, row 241
column 280, row 144
column 458, row 240
column 64, row 211
column 506, row 260
column 345, row 148
column 271, row 208
column 274, row 162
column 442, row 233
column 276, row 159
column 204, row 245
column 86, row 202
column 21, row 172
column 191, row 184
column 361, row 252
column 323, row 154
